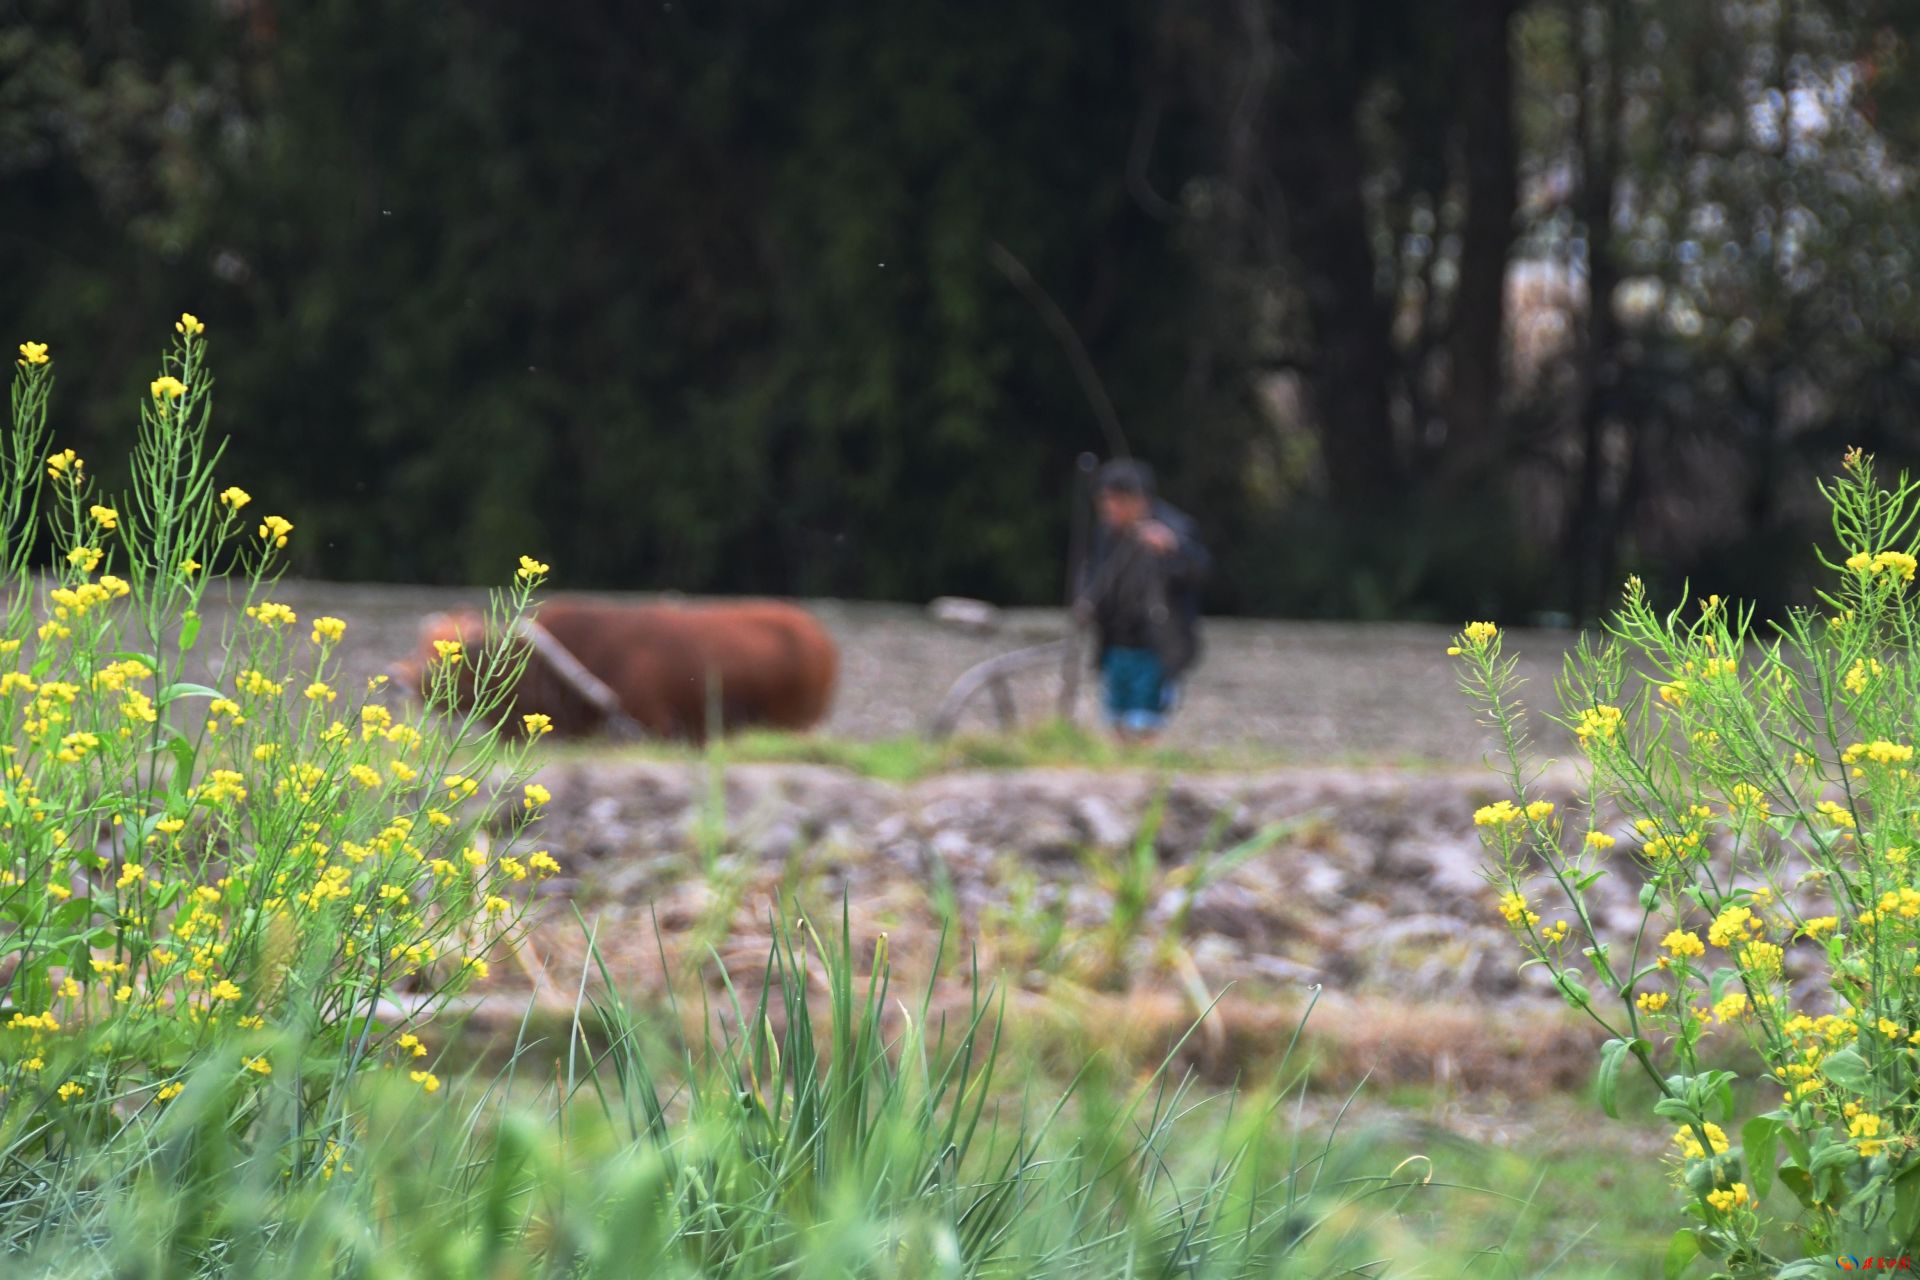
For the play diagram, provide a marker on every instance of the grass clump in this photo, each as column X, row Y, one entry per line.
column 817, row 1127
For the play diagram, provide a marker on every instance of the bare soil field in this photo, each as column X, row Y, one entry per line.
column 1346, row 752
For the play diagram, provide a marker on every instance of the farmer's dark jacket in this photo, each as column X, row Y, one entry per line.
column 1141, row 600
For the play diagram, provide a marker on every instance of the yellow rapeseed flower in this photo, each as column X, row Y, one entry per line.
column 1837, row 814
column 1689, row 1142
column 1600, row 722
column 106, row 517
column 1730, row 1198
column 427, row 1081
column 275, row 529
column 1684, row 944
column 1860, row 674
column 66, row 465
column 188, row 323
column 447, row 651
column 537, row 724
column 167, row 388
column 234, row 496
column 536, row 795
column 1865, row 1128
column 328, row 630
column 531, row 570
column 1513, row 908
column 1500, row 813
column 33, row 353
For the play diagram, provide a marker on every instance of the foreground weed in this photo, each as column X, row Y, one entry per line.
column 1765, row 779
column 225, row 901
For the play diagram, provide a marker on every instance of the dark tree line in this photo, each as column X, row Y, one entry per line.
column 1468, row 306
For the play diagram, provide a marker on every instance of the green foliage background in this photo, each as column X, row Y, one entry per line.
column 698, row 294
column 694, row 300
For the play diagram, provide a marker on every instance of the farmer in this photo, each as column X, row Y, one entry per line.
column 1140, row 590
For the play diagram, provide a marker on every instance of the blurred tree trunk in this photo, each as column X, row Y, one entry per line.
column 1590, row 548
column 1490, row 164
column 1320, row 161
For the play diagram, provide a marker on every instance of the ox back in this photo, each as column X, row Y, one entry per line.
column 678, row 668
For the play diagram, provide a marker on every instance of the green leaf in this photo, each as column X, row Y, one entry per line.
column 189, row 631
column 146, row 660
column 1649, row 895
column 186, row 689
column 1906, row 1203
column 1612, row 1055
column 1759, row 1141
column 1570, row 987
column 1674, row 1109
column 1847, row 1069
column 1835, row 1156
column 1795, row 1143
column 183, row 758
column 1682, row 1249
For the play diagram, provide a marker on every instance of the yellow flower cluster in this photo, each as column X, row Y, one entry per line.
column 1475, row 636
column 1727, row 1199
column 1503, row 813
column 1598, row 722
column 271, row 614
column 1689, row 1141
column 66, row 465
column 1835, row 813
column 1735, row 924
column 1863, row 672
column 1513, row 908
column 1894, row 563
column 32, row 353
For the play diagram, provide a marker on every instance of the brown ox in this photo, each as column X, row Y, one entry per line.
column 657, row 669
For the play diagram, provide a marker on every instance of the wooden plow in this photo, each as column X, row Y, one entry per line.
column 991, row 677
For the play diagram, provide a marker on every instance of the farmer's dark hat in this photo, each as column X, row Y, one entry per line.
column 1125, row 475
